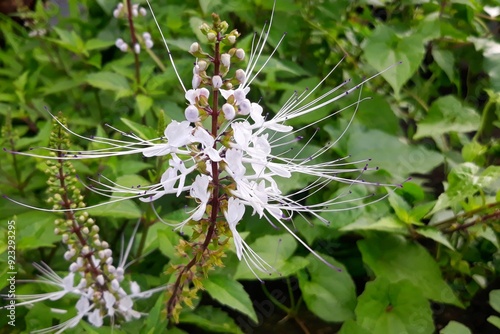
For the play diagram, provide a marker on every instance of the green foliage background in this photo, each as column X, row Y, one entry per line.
column 422, row 259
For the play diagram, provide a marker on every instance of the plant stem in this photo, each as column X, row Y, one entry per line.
column 215, row 200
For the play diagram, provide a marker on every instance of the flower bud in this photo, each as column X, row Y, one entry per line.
column 239, row 95
column 123, row 47
column 100, row 279
column 245, row 107
column 223, row 26
column 137, row 48
column 217, row 81
column 228, row 111
column 231, row 39
column 240, row 54
column 195, row 47
column 135, row 10
column 196, row 81
column 149, row 43
column 240, row 76
column 115, row 284
column 73, row 267
column 192, row 114
column 226, row 60
column 143, row 11
column 146, row 35
column 118, row 43
column 211, row 36
column 203, row 65
column 205, row 28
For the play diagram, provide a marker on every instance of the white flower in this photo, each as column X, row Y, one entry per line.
column 65, row 286
column 233, row 214
column 199, row 190
column 177, row 134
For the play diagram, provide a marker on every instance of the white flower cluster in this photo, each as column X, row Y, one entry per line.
column 95, row 281
column 121, row 10
column 136, row 10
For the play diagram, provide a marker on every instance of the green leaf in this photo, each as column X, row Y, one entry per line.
column 397, row 259
column 385, row 224
column 210, row 319
column 352, row 327
column 445, row 60
column 141, row 130
column 391, row 154
column 385, row 307
column 70, row 40
column 328, row 293
column 144, row 103
column 495, row 300
column 167, row 240
column 454, row 327
column 155, row 322
column 394, row 307
column 379, row 115
column 464, row 181
column 229, row 292
column 94, row 44
column 384, row 48
column 277, row 251
column 434, row 234
column 447, row 114
column 108, row 80
column 123, row 209
column 494, row 320
column 401, row 208
column 34, row 229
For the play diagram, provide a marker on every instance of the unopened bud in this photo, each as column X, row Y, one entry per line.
column 137, row 48
column 202, row 65
column 226, row 60
column 192, row 114
column 195, row 47
column 205, row 28
column 240, row 54
column 143, row 11
column 149, row 43
column 231, row 39
column 217, row 81
column 211, row 36
column 240, row 76
column 196, row 81
column 223, row 26
column 228, row 111
column 245, row 107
